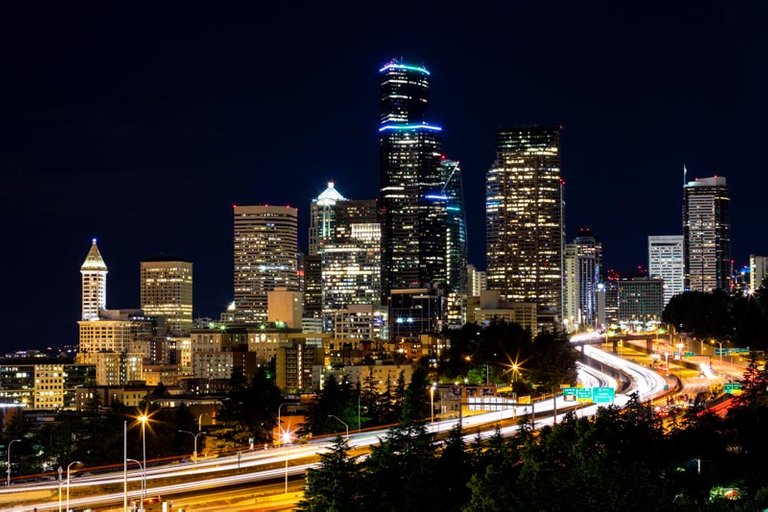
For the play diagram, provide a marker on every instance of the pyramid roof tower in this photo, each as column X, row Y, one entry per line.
column 329, row 196
column 94, row 261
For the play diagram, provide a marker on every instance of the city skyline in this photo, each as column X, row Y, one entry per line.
column 171, row 160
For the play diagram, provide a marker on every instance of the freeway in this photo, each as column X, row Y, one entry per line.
column 264, row 465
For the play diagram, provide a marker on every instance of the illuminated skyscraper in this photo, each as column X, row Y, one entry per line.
column 666, row 262
column 351, row 258
column 413, row 201
column 707, row 234
column 322, row 217
column 166, row 292
column 583, row 268
column 758, row 271
column 94, row 283
column 265, row 252
column 456, row 244
column 524, row 220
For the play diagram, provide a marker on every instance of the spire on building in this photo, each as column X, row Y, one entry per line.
column 329, row 196
column 94, row 261
column 94, row 283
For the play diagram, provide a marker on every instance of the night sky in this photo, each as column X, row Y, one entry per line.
column 141, row 123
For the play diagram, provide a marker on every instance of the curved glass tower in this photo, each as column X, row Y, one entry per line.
column 413, row 203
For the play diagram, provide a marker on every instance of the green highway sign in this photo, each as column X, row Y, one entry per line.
column 728, row 351
column 689, row 354
column 603, row 395
column 584, row 394
column 731, row 387
column 569, row 394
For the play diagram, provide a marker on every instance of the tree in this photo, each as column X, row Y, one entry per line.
column 415, row 402
column 399, row 473
column 332, row 487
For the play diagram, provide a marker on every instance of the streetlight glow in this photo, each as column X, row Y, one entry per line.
column 69, row 466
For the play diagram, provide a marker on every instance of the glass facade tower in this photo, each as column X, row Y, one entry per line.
column 413, row 202
column 707, row 234
column 524, row 220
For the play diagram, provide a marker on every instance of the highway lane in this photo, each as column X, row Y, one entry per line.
column 646, row 382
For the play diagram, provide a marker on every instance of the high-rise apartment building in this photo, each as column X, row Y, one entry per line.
column 94, row 283
column 265, row 251
column 707, row 234
column 758, row 271
column 166, row 292
column 413, row 201
column 524, row 220
column 666, row 262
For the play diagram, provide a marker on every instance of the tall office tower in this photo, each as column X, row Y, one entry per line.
column 322, row 217
column 583, row 269
column 456, row 245
column 524, row 220
column 166, row 292
column 476, row 281
column 265, row 251
column 571, row 313
column 351, row 258
column 758, row 271
column 413, row 203
column 313, row 290
column 666, row 262
column 94, row 283
column 590, row 266
column 707, row 234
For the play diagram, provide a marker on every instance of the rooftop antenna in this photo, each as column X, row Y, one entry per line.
column 685, row 171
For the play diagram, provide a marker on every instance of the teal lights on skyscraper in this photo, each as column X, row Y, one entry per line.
column 413, row 201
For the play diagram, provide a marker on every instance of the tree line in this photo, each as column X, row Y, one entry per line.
column 740, row 318
column 620, row 459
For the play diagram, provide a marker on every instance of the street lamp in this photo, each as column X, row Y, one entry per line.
column 721, row 348
column 286, row 438
column 68, row 477
column 194, row 453
column 279, row 422
column 143, row 419
column 9, row 459
column 141, row 470
column 61, row 470
column 200, row 421
column 432, row 402
column 339, row 420
column 515, row 370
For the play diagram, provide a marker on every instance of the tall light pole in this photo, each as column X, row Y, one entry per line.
column 339, row 420
column 141, row 470
column 286, row 438
column 432, row 403
column 200, row 421
column 194, row 453
column 279, row 422
column 721, row 348
column 68, row 477
column 125, row 465
column 9, row 459
column 143, row 419
column 61, row 470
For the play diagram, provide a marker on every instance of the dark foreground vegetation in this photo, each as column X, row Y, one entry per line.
column 619, row 460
